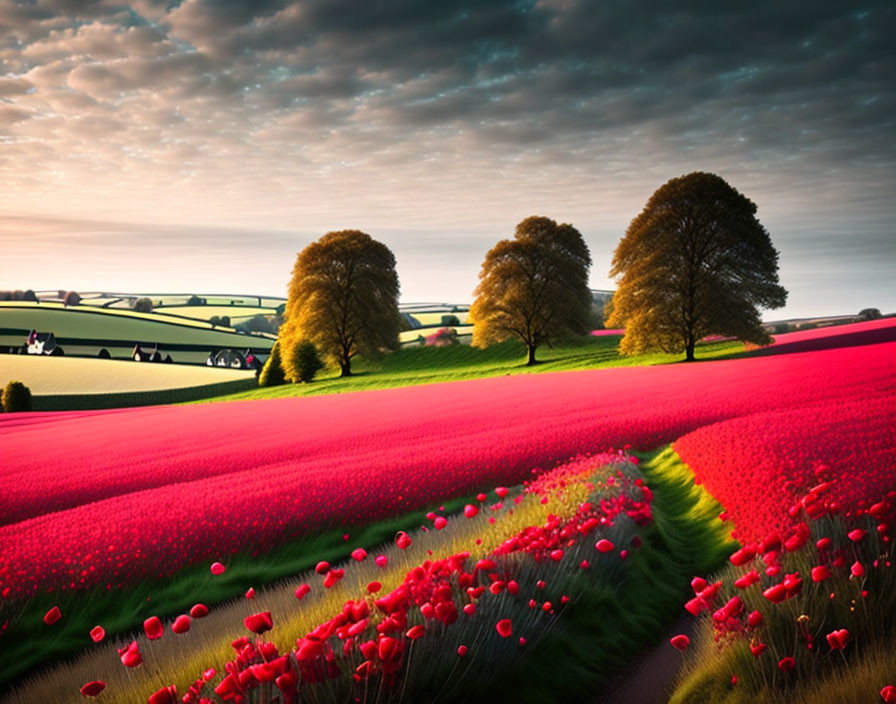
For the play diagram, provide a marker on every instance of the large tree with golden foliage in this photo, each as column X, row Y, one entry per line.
column 343, row 297
column 695, row 262
column 533, row 287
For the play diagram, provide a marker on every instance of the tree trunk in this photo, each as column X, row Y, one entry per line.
column 689, row 350
column 346, row 367
column 531, row 355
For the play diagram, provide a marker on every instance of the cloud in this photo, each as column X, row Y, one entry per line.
column 450, row 116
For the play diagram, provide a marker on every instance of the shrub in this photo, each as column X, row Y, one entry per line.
column 272, row 373
column 143, row 305
column 29, row 295
column 195, row 301
column 448, row 320
column 306, row 363
column 869, row 314
column 16, row 397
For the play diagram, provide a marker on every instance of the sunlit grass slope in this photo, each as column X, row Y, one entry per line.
column 428, row 365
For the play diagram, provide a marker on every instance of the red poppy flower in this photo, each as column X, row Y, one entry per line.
column 820, row 573
column 250, row 593
column 888, row 694
column 52, row 616
column 775, row 594
column 402, row 540
column 857, row 569
column 471, row 511
column 604, row 545
column 217, row 568
column 381, row 560
column 462, row 650
column 153, row 628
column 322, row 567
column 838, row 639
column 130, row 655
column 181, row 624
column 301, row 591
column 786, row 664
column 359, row 554
column 504, row 628
column 680, row 642
column 166, row 695
column 757, row 649
column 259, row 623
column 374, row 587
column 97, row 633
column 501, row 492
column 743, row 556
column 754, row 619
column 440, row 522
column 91, row 689
column 415, row 632
column 856, row 535
column 199, row 611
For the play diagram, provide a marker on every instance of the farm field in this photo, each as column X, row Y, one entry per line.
column 48, row 376
column 84, row 331
column 832, row 407
column 235, row 313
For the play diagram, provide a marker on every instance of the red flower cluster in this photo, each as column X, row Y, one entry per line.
column 756, row 465
column 65, row 476
column 371, row 637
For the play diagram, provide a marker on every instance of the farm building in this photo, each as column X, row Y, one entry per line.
column 234, row 359
column 146, row 355
column 42, row 343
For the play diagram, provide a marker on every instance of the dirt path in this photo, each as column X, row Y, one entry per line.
column 649, row 681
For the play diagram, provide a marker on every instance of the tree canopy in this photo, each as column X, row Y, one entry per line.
column 533, row 287
column 694, row 262
column 343, row 297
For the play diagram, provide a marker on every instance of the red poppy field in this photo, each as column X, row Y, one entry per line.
column 202, row 483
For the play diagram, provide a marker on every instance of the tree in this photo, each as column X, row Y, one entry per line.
column 72, row 298
column 16, row 397
column 143, row 305
column 533, row 287
column 343, row 297
column 869, row 314
column 272, row 372
column 694, row 262
column 305, row 363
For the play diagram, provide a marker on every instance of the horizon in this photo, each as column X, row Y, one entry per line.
column 196, row 146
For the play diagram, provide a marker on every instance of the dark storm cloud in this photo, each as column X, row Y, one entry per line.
column 396, row 112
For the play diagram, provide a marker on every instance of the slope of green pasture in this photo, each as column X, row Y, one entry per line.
column 429, row 365
column 91, row 324
column 601, row 630
column 123, row 611
column 206, row 312
column 78, row 375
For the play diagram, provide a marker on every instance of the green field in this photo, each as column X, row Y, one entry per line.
column 235, row 313
column 83, row 330
column 429, row 365
column 79, row 375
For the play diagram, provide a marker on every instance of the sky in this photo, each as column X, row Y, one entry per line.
column 198, row 145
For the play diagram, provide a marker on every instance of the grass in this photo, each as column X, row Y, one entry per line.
column 428, row 365
column 603, row 629
column 122, row 612
column 73, row 375
column 857, row 673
